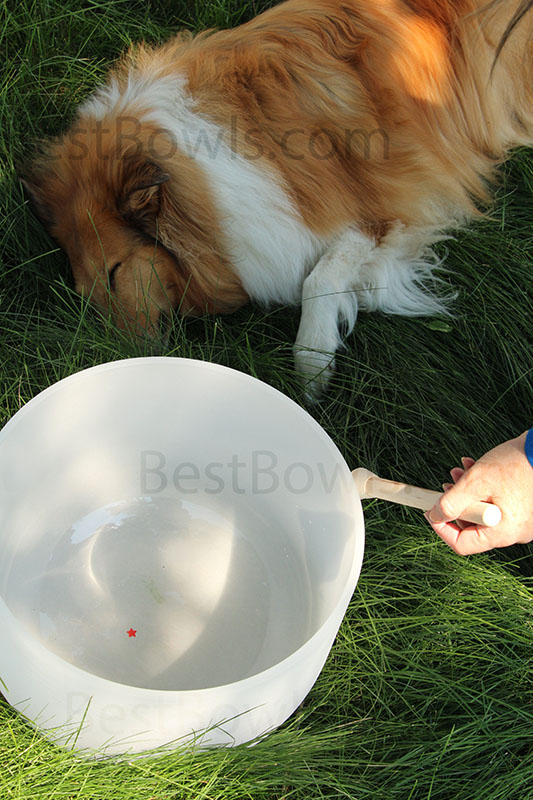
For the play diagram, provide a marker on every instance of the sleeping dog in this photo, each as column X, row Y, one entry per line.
column 311, row 156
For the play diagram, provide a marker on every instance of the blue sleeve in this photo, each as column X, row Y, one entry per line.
column 528, row 447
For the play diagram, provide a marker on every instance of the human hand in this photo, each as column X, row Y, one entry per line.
column 502, row 476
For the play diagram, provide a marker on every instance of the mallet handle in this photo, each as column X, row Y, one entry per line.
column 369, row 485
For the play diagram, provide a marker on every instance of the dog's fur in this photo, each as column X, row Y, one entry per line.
column 311, row 155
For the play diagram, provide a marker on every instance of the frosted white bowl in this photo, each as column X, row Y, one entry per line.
column 178, row 546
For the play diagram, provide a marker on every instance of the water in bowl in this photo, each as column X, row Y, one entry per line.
column 164, row 593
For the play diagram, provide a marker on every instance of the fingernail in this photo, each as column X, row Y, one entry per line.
column 446, row 486
column 463, row 459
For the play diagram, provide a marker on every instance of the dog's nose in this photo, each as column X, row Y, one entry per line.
column 143, row 323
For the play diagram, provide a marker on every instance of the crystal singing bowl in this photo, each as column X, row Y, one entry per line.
column 178, row 546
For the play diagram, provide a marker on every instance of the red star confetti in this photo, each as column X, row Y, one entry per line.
column 131, row 632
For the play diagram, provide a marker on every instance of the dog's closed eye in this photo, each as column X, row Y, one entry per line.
column 112, row 274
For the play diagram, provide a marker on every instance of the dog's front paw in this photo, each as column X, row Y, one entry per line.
column 314, row 368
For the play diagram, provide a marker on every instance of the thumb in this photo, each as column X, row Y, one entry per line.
column 453, row 502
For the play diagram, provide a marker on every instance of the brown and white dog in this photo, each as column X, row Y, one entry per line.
column 310, row 156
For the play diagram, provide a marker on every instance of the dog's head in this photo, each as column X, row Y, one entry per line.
column 139, row 241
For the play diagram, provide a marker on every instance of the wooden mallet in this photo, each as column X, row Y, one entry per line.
column 370, row 486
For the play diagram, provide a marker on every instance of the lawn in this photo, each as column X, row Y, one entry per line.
column 428, row 690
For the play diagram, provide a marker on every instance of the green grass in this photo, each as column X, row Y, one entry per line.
column 428, row 691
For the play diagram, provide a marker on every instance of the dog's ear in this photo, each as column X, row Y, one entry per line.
column 140, row 197
column 34, row 193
